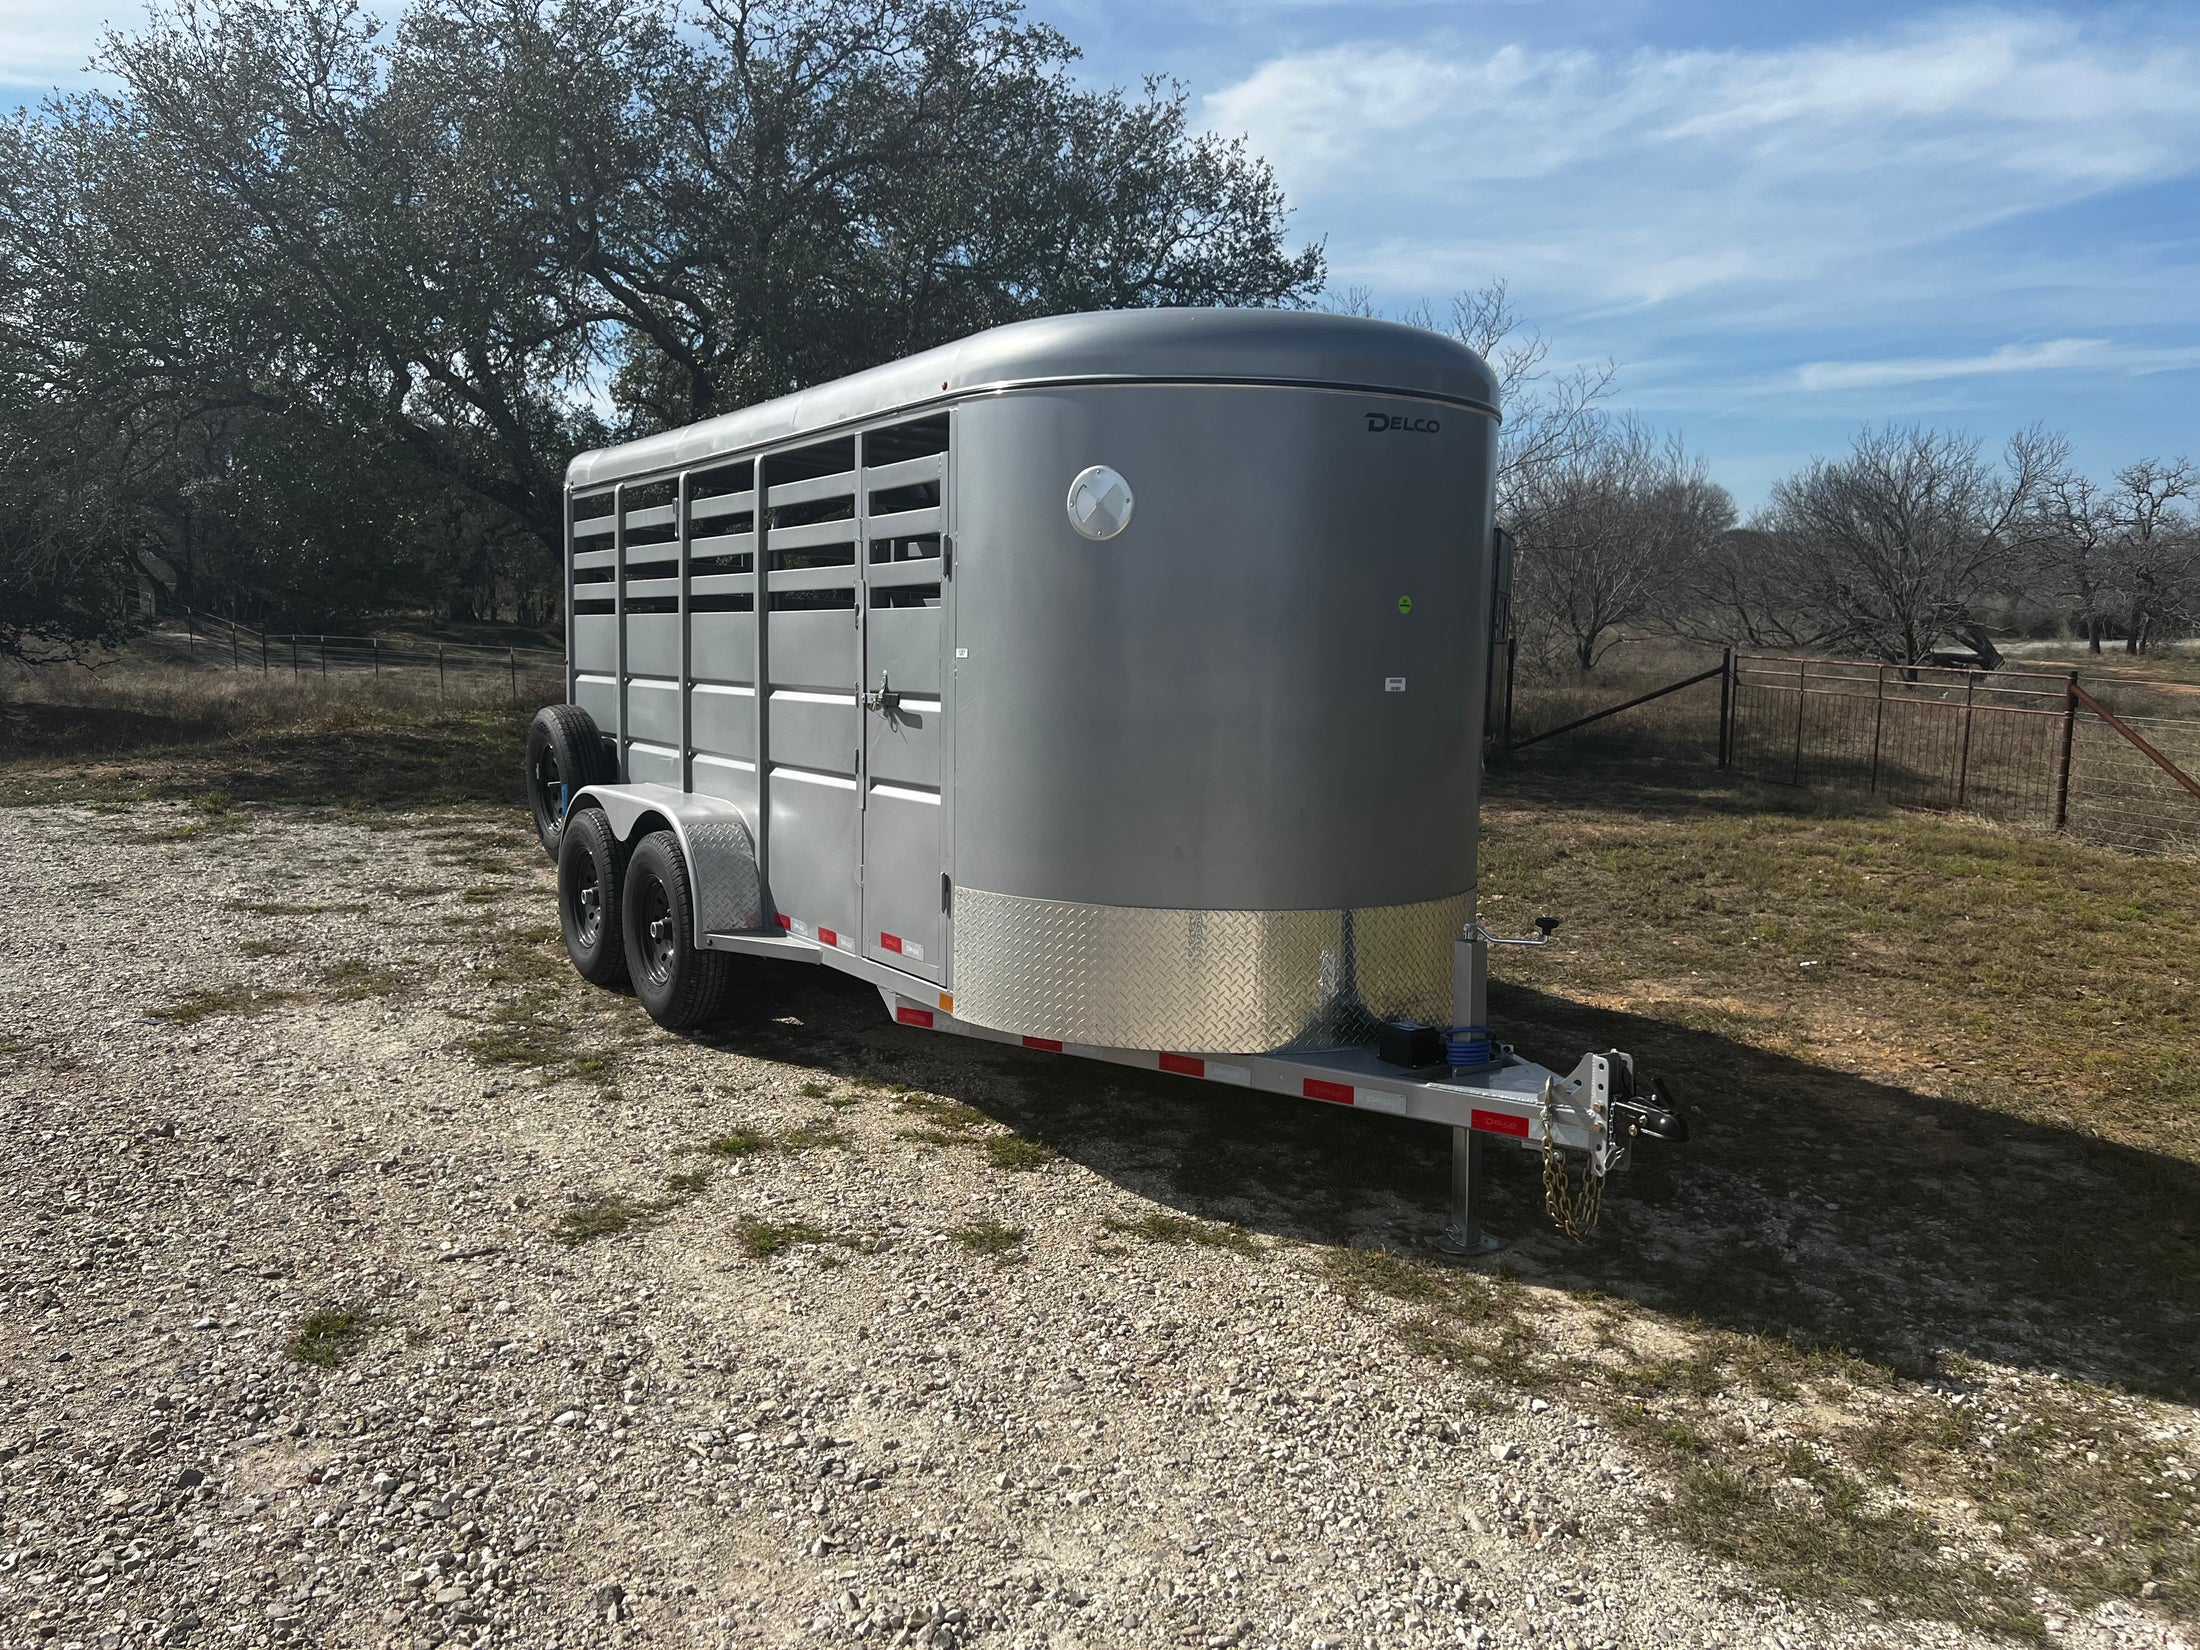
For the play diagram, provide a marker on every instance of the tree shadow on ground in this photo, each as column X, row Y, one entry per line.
column 1810, row 1205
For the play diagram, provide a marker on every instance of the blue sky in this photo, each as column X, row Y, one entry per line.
column 1779, row 220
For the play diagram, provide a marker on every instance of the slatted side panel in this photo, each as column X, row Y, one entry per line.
column 811, row 722
column 593, row 646
column 722, row 632
column 649, row 581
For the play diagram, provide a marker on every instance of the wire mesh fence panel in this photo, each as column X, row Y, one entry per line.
column 2120, row 798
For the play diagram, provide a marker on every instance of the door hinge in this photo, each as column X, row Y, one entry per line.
column 947, row 555
column 947, row 892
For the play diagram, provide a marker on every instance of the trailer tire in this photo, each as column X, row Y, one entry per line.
column 681, row 986
column 592, row 865
column 565, row 751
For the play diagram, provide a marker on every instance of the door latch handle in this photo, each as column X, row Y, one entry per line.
column 882, row 697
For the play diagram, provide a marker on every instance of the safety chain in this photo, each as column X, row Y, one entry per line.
column 1573, row 1206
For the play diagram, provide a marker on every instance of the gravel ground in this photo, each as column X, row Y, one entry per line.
column 811, row 1388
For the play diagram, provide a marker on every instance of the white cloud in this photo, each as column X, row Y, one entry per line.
column 2049, row 355
column 1637, row 178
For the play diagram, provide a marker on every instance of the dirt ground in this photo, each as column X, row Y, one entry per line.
column 372, row 1280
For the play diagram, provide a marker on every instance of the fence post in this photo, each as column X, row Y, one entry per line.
column 263, row 653
column 293, row 655
column 1802, row 676
column 515, row 672
column 1726, row 707
column 1512, row 669
column 235, row 663
column 1963, row 763
column 2070, row 727
column 1879, row 722
column 375, row 643
column 439, row 670
column 191, row 633
column 324, row 657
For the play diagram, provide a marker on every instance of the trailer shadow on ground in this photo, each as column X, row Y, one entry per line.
column 1811, row 1205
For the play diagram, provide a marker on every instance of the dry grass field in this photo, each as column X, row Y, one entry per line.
column 1906, row 1332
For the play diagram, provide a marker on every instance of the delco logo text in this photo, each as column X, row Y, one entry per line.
column 1378, row 422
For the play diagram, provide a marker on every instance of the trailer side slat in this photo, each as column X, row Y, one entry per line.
column 879, row 477
column 722, row 584
column 906, row 524
column 811, row 578
column 724, row 544
column 593, row 558
column 595, row 527
column 657, row 515
column 725, row 504
column 652, row 587
column 842, row 485
column 886, row 575
column 812, row 533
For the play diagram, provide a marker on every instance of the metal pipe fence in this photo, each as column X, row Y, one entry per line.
column 2031, row 748
column 2023, row 747
column 221, row 643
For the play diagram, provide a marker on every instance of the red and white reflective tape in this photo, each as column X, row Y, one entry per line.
column 1200, row 1065
column 901, row 947
column 913, row 1016
column 1498, row 1122
column 1047, row 1043
column 821, row 934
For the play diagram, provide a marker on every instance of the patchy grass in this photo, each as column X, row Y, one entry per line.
column 686, row 1183
column 762, row 1239
column 604, row 1215
column 990, row 1237
column 222, row 1002
column 1018, row 1155
column 266, row 948
column 326, row 1338
column 1156, row 1227
column 354, row 978
column 803, row 1137
column 286, row 908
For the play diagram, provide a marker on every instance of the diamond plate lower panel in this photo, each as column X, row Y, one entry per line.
column 1204, row 982
column 722, row 859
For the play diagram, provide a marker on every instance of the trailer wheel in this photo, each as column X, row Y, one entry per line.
column 565, row 751
column 679, row 985
column 592, row 866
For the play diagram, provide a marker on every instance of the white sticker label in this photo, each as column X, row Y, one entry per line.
column 910, row 948
column 962, row 653
column 846, row 942
column 1394, row 684
column 801, row 928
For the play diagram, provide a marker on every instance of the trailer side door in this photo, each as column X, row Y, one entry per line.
column 903, row 504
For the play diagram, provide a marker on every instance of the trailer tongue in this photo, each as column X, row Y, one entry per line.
column 1110, row 685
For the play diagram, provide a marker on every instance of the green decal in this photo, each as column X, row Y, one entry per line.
column 1405, row 604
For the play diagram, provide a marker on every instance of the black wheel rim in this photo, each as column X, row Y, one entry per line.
column 653, row 922
column 585, row 901
column 549, row 788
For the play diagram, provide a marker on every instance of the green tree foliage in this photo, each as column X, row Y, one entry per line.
column 307, row 315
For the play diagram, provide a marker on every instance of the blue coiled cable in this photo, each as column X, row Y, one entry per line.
column 1469, row 1046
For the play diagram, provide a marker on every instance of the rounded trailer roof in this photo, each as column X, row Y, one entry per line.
column 1207, row 346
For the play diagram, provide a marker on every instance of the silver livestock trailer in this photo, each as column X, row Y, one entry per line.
column 1107, row 684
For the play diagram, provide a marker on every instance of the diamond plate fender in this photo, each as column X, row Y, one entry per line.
column 715, row 838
